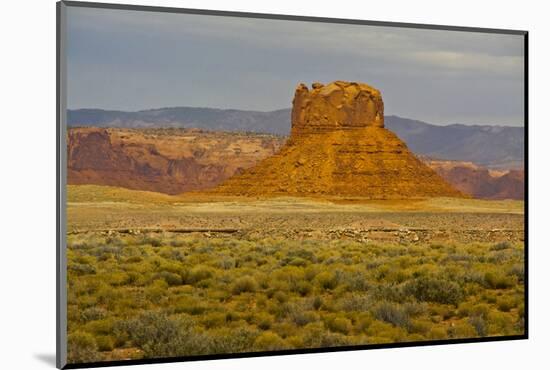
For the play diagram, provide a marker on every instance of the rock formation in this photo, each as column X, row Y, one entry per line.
column 339, row 147
column 169, row 161
column 480, row 182
column 339, row 105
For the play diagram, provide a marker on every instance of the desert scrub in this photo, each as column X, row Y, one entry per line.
column 338, row 324
column 213, row 319
column 263, row 320
column 220, row 295
column 435, row 290
column 327, row 280
column 170, row 278
column 105, row 343
column 81, row 348
column 499, row 280
column 245, row 284
column 269, row 341
column 161, row 336
column 198, row 273
column 392, row 313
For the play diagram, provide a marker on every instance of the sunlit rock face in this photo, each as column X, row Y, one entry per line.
column 338, row 105
column 338, row 146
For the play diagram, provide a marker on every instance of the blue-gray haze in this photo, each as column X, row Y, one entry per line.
column 133, row 60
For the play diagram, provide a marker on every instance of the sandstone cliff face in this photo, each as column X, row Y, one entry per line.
column 131, row 158
column 168, row 161
column 339, row 105
column 480, row 182
column 339, row 147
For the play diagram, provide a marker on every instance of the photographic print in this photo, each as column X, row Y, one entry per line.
column 236, row 184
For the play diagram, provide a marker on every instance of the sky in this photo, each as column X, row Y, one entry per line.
column 134, row 60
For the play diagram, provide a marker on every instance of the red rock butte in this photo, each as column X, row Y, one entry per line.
column 338, row 146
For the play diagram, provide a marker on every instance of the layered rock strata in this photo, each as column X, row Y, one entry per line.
column 339, row 147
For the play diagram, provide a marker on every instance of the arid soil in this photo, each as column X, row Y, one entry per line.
column 93, row 208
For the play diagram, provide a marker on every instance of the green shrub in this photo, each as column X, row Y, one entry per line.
column 263, row 320
column 501, row 246
column 316, row 336
column 134, row 259
column 474, row 310
column 81, row 348
column 171, row 278
column 505, row 304
column 81, row 269
column 244, row 284
column 340, row 325
column 105, row 343
column 462, row 330
column 415, row 309
column 226, row 263
column 176, row 243
column 518, row 271
column 281, row 297
column 301, row 317
column 327, row 280
column 419, row 326
column 299, row 262
column 158, row 335
column 190, row 305
column 213, row 319
column 435, row 290
column 479, row 324
column 101, row 327
column 199, row 273
column 310, row 272
column 355, row 281
column 93, row 313
column 392, row 313
column 156, row 291
column 230, row 340
column 232, row 316
column 498, row 280
column 155, row 242
column 303, row 288
column 269, row 341
column 355, row 302
column 317, row 302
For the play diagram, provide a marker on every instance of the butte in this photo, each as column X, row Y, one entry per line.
column 338, row 146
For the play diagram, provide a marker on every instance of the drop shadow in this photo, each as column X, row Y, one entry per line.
column 47, row 358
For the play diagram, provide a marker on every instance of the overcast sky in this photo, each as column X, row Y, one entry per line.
column 133, row 60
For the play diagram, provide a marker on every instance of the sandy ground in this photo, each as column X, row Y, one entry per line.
column 104, row 209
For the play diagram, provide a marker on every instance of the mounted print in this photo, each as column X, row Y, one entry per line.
column 238, row 184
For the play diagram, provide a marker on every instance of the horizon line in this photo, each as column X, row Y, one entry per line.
column 521, row 125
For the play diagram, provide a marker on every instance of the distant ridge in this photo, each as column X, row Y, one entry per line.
column 490, row 146
column 274, row 122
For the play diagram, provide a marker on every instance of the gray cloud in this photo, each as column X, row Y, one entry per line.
column 134, row 60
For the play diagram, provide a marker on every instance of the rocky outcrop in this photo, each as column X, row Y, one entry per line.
column 480, row 182
column 339, row 105
column 339, row 147
column 175, row 160
column 169, row 161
